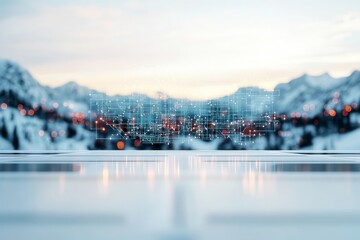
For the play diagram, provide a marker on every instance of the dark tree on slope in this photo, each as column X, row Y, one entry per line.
column 15, row 142
column 4, row 131
column 71, row 131
column 306, row 140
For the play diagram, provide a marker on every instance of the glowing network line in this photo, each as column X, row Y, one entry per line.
column 239, row 117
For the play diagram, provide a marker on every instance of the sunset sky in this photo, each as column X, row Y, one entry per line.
column 188, row 48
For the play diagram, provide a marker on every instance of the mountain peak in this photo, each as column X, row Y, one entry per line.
column 161, row 95
column 16, row 81
column 8, row 67
column 243, row 90
column 355, row 73
column 71, row 91
column 323, row 81
column 71, row 84
column 7, row 62
column 325, row 74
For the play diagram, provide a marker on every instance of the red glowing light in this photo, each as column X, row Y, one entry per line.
column 54, row 134
column 31, row 112
column 137, row 143
column 3, row 106
column 249, row 131
column 41, row 133
column 23, row 112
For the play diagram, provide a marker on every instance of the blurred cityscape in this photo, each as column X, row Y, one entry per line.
column 311, row 112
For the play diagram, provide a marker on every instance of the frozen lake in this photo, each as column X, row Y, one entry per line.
column 180, row 195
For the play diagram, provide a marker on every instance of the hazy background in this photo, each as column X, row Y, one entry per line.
column 205, row 48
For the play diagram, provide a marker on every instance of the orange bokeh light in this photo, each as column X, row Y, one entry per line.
column 332, row 113
column 120, row 145
column 348, row 108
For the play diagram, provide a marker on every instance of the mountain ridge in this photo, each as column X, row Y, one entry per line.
column 37, row 114
column 18, row 82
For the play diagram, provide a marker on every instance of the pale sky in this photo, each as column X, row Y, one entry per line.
column 190, row 48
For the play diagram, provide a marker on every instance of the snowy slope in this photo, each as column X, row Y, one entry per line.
column 35, row 133
column 308, row 94
column 348, row 141
column 40, row 130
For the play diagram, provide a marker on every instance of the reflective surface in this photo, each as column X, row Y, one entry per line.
column 39, row 167
column 180, row 195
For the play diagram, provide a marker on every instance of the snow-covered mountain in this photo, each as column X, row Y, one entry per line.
column 71, row 91
column 40, row 117
column 33, row 116
column 17, row 84
column 308, row 94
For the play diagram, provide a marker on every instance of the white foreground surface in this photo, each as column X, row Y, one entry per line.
column 180, row 195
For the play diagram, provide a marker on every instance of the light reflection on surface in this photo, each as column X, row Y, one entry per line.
column 62, row 181
column 174, row 168
column 105, row 177
column 181, row 196
column 151, row 175
column 39, row 167
column 252, row 183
